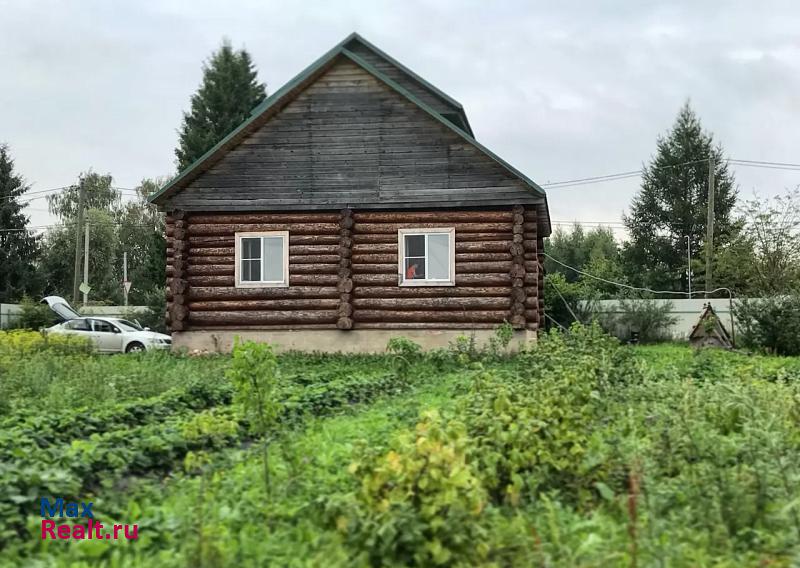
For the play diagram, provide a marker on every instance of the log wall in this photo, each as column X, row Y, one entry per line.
column 343, row 271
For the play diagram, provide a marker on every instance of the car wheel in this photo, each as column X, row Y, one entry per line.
column 134, row 347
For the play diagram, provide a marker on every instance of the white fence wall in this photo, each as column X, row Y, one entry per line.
column 9, row 313
column 686, row 311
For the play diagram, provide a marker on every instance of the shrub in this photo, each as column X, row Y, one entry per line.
column 254, row 374
column 34, row 315
column 771, row 324
column 647, row 317
column 419, row 504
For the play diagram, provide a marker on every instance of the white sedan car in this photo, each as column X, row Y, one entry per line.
column 110, row 335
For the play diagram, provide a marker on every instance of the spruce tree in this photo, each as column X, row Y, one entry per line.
column 229, row 92
column 18, row 246
column 673, row 203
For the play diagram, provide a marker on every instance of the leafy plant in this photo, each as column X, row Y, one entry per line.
column 34, row 315
column 771, row 324
column 404, row 352
column 254, row 374
column 649, row 318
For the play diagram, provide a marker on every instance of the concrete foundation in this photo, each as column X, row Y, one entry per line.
column 334, row 340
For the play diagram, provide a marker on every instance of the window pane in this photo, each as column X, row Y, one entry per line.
column 439, row 256
column 251, row 271
column 415, row 268
column 273, row 259
column 251, row 247
column 415, row 245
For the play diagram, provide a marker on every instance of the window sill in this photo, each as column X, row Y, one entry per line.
column 262, row 285
column 415, row 283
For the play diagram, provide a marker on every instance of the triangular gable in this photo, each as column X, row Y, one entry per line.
column 273, row 104
column 717, row 328
column 438, row 100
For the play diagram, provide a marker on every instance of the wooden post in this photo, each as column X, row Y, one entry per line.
column 710, row 225
column 517, row 271
column 345, row 273
column 179, row 314
column 540, row 280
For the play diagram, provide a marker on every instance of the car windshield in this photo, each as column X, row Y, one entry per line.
column 128, row 325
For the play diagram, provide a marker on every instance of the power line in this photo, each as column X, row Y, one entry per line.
column 628, row 286
column 637, row 173
column 764, row 162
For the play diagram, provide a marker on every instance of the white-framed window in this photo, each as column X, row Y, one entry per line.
column 262, row 259
column 426, row 257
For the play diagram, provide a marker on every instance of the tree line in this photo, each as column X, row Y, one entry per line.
column 36, row 264
column 756, row 242
column 756, row 248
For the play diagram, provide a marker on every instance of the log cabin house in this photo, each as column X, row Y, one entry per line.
column 353, row 205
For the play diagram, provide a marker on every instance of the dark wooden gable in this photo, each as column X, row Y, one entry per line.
column 348, row 139
column 450, row 109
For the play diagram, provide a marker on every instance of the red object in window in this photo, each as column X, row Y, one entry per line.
column 411, row 271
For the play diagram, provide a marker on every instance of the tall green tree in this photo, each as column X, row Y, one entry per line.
column 19, row 247
column 229, row 91
column 141, row 234
column 115, row 227
column 672, row 204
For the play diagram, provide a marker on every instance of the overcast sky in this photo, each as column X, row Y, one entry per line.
column 560, row 90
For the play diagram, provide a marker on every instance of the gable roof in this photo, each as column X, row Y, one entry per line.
column 716, row 329
column 274, row 103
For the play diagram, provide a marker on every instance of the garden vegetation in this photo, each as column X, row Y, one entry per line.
column 575, row 452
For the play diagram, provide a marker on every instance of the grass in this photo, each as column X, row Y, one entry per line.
column 709, row 439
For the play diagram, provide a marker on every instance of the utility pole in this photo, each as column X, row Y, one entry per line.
column 689, row 254
column 125, row 275
column 710, row 224
column 78, row 231
column 86, row 265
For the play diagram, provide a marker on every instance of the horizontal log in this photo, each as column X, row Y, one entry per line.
column 312, row 250
column 233, row 218
column 344, row 323
column 213, row 251
column 211, row 269
column 294, row 280
column 484, row 316
column 314, row 259
column 392, row 228
column 429, row 292
column 390, row 268
column 482, row 267
column 432, row 216
column 198, row 259
column 268, row 317
column 460, row 237
column 282, row 304
column 475, row 303
column 375, row 258
column 222, row 229
column 294, row 239
column 489, row 279
column 261, row 327
column 306, row 292
column 319, row 268
column 461, row 247
column 422, row 325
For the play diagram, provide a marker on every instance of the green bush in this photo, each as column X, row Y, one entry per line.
column 34, row 315
column 770, row 324
column 647, row 317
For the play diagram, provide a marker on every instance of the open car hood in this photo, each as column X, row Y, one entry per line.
column 60, row 307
